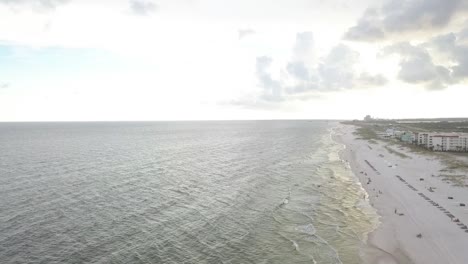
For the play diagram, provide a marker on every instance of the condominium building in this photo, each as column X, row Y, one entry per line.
column 442, row 141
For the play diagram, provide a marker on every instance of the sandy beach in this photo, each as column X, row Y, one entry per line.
column 419, row 223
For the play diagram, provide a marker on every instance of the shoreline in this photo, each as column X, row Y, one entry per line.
column 372, row 252
column 411, row 229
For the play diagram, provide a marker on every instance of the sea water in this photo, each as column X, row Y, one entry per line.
column 178, row 192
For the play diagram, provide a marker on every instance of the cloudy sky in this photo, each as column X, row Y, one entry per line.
column 236, row 59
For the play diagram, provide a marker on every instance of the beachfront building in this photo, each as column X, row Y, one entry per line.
column 422, row 139
column 464, row 143
column 393, row 133
column 407, row 137
column 442, row 141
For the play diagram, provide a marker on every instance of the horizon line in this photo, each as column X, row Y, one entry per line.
column 172, row 120
column 224, row 120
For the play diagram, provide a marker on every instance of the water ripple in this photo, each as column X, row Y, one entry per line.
column 177, row 192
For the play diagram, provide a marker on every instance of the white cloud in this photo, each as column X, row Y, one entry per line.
column 272, row 89
column 201, row 54
column 304, row 76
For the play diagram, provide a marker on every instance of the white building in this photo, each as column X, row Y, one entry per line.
column 443, row 141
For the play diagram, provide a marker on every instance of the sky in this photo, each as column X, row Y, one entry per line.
column 111, row 60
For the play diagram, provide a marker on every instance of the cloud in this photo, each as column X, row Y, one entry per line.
column 304, row 48
column 272, row 89
column 463, row 35
column 368, row 80
column 336, row 71
column 299, row 75
column 417, row 66
column 398, row 16
column 368, row 28
column 143, row 7
column 404, row 15
column 305, row 76
column 302, row 67
column 38, row 5
column 242, row 33
column 4, row 85
column 298, row 70
column 449, row 44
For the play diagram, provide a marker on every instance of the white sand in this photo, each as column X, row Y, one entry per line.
column 395, row 240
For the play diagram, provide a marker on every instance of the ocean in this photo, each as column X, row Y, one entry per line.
column 178, row 192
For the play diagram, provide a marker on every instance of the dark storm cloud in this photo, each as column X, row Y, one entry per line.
column 143, row 7
column 404, row 16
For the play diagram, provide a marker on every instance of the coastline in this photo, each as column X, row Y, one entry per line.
column 413, row 228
